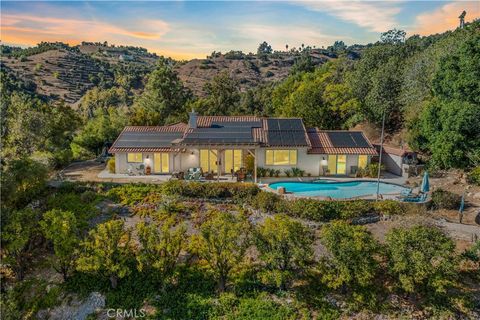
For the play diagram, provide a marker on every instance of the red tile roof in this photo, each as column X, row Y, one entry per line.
column 122, row 149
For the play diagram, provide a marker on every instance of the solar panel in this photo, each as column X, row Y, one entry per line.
column 146, row 139
column 236, row 124
column 285, row 124
column 348, row 139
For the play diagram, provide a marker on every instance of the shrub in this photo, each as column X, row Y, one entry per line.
column 388, row 207
column 266, row 201
column 370, row 171
column 421, row 259
column 474, row 176
column 111, row 165
column 315, row 210
column 288, row 172
column 355, row 208
column 443, row 199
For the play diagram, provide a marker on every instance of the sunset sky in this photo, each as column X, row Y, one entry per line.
column 193, row 29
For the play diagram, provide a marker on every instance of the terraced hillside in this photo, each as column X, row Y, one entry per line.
column 58, row 74
column 248, row 70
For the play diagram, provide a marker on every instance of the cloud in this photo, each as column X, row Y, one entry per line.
column 32, row 29
column 445, row 17
column 378, row 16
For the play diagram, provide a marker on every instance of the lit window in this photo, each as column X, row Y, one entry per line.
column 280, row 157
column 135, row 157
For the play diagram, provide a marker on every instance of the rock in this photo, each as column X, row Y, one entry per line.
column 78, row 310
column 476, row 195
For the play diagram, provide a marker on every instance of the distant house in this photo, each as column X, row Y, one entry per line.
column 223, row 143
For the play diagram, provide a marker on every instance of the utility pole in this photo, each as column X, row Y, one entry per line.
column 380, row 157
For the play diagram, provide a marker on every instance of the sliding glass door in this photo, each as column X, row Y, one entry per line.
column 233, row 160
column 161, row 163
column 208, row 160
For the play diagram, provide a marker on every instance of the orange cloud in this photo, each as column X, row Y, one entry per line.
column 34, row 29
column 445, row 17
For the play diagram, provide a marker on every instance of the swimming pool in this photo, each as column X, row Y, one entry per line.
column 337, row 189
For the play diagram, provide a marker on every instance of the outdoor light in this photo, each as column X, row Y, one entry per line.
column 324, row 161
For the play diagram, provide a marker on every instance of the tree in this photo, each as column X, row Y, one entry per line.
column 97, row 98
column 60, row 227
column 352, row 263
column 107, row 250
column 104, row 127
column 22, row 181
column 264, row 49
column 161, row 244
column 393, row 36
column 223, row 96
column 163, row 99
column 17, row 240
column 302, row 95
column 285, row 246
column 458, row 77
column 222, row 242
column 421, row 259
column 337, row 46
column 446, row 130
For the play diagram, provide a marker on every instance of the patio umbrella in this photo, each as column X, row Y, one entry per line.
column 425, row 183
column 462, row 204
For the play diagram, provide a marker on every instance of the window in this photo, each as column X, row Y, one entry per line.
column 362, row 161
column 135, row 157
column 280, row 157
column 208, row 160
column 161, row 163
column 233, row 160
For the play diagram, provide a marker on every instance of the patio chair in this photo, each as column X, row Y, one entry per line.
column 420, row 198
column 194, row 174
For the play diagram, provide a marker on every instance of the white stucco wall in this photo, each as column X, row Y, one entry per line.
column 308, row 162
column 311, row 163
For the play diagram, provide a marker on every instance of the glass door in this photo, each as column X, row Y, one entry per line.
column 341, row 164
column 161, row 163
column 233, row 160
column 208, row 160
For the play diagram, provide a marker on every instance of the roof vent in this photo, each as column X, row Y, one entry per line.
column 192, row 119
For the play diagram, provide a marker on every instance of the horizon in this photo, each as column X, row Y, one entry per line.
column 194, row 29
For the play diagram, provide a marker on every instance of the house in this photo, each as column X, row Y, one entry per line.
column 222, row 144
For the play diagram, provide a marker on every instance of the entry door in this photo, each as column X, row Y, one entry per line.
column 161, row 163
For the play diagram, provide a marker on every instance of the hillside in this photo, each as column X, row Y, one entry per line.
column 58, row 71
column 249, row 70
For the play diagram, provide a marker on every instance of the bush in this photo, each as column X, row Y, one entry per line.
column 443, row 199
column 474, row 176
column 315, row 210
column 388, row 207
column 266, row 201
column 111, row 165
column 370, row 171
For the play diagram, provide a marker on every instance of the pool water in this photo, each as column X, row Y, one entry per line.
column 336, row 189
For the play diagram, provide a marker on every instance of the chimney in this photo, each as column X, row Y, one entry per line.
column 192, row 119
